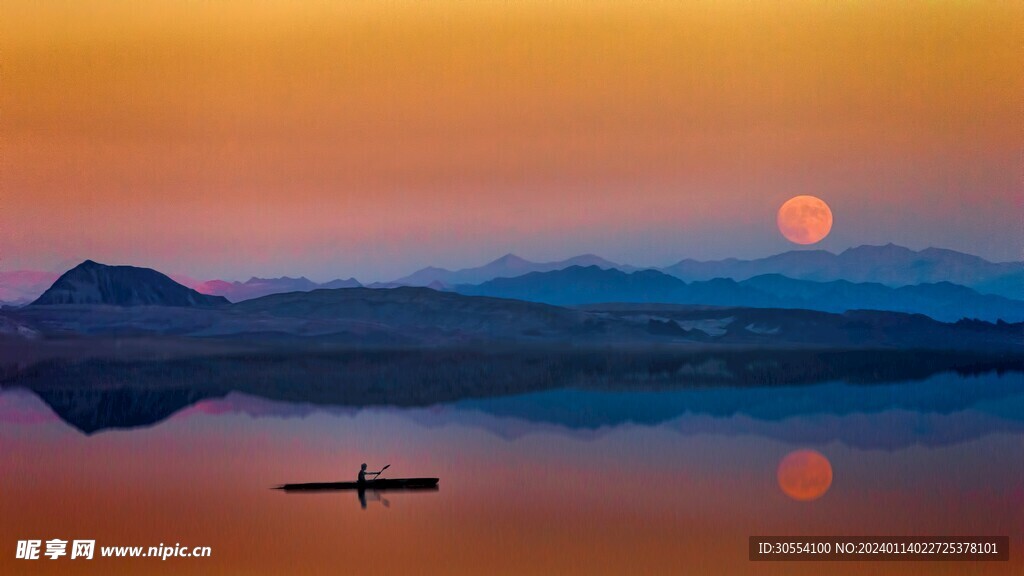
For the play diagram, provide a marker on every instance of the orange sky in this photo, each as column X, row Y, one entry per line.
column 370, row 138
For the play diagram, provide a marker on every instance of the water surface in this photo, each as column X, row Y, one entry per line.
column 570, row 481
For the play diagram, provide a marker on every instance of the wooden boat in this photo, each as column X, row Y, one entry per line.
column 382, row 484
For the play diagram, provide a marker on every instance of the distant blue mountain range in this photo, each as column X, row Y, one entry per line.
column 507, row 266
column 578, row 285
column 890, row 265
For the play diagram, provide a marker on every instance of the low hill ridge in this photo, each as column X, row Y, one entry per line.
column 94, row 283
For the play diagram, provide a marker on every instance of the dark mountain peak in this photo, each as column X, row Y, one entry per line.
column 793, row 256
column 510, row 259
column 868, row 250
column 258, row 280
column 771, row 277
column 721, row 282
column 932, row 253
column 592, row 260
column 694, row 262
column 340, row 283
column 948, row 289
column 94, row 283
column 589, row 271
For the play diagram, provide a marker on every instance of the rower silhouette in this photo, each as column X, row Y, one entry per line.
column 363, row 473
column 361, row 483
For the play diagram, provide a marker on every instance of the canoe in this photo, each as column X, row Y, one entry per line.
column 383, row 484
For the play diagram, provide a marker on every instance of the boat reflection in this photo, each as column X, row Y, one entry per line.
column 376, row 498
column 376, row 494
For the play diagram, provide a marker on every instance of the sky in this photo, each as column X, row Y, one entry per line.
column 369, row 139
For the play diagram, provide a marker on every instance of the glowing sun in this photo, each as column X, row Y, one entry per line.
column 805, row 475
column 805, row 219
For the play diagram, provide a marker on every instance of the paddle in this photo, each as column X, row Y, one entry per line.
column 382, row 471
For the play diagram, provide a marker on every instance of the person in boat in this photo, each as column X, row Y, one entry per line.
column 363, row 473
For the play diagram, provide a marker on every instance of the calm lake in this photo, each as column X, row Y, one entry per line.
column 563, row 481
